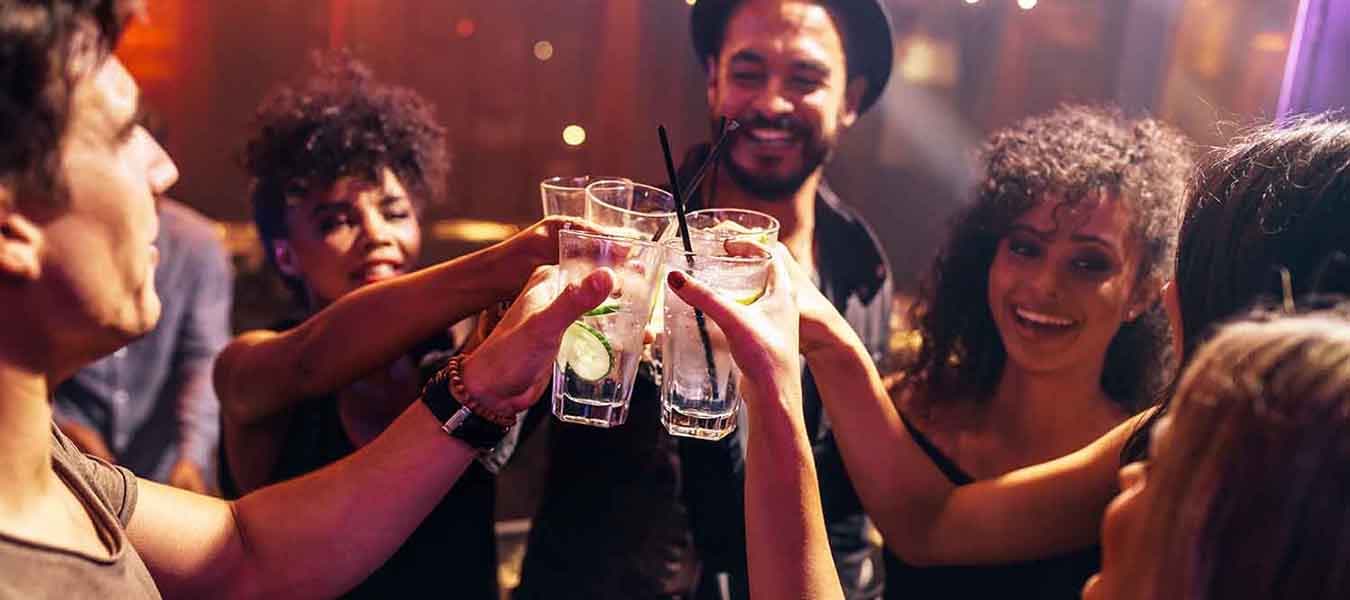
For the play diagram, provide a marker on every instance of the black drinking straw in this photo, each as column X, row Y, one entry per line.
column 727, row 126
column 689, row 253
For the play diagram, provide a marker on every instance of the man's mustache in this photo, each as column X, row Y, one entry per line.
column 793, row 126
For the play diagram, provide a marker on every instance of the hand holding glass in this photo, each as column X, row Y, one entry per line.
column 598, row 359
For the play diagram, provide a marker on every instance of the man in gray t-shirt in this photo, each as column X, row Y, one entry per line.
column 78, row 180
column 108, row 494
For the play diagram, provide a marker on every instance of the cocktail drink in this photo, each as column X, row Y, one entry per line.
column 710, row 227
column 699, row 385
column 566, row 195
column 641, row 211
column 629, row 208
column 599, row 355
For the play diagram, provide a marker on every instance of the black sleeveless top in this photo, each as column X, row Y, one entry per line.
column 1057, row 577
column 453, row 553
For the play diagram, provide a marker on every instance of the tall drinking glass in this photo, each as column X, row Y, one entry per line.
column 566, row 195
column 629, row 208
column 598, row 359
column 699, row 387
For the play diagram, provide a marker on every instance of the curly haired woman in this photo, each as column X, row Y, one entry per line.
column 1265, row 216
column 342, row 168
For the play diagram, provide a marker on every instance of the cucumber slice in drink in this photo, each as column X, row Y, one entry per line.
column 586, row 352
column 608, row 307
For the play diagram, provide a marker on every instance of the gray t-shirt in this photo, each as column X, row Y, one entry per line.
column 34, row 570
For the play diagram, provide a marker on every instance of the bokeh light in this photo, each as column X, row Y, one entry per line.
column 543, row 50
column 465, row 27
column 574, row 135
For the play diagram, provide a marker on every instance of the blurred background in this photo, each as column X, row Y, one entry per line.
column 534, row 88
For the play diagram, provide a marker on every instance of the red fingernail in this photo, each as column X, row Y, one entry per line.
column 675, row 279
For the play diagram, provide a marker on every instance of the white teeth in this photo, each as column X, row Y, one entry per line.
column 772, row 136
column 378, row 271
column 1043, row 319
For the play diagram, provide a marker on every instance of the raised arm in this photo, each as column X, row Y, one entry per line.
column 1030, row 513
column 263, row 373
column 787, row 550
column 318, row 535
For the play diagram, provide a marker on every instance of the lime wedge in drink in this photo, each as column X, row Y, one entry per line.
column 586, row 352
column 608, row 307
column 730, row 229
column 748, row 298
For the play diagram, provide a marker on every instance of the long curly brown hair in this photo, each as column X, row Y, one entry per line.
column 1072, row 153
column 340, row 123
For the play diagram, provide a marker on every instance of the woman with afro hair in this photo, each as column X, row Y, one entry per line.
column 342, row 168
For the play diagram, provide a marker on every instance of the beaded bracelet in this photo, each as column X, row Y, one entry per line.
column 460, row 393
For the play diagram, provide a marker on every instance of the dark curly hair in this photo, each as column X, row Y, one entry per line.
column 37, row 43
column 340, row 123
column 1072, row 152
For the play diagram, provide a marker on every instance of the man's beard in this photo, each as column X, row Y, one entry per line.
column 816, row 150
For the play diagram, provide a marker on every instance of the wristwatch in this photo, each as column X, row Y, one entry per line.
column 458, row 420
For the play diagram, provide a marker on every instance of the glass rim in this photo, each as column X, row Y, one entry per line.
column 607, row 237
column 636, row 186
column 676, row 245
column 775, row 225
column 550, row 182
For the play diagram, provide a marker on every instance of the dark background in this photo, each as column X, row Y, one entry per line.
column 620, row 67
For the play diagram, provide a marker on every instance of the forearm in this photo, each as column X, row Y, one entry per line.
column 319, row 535
column 1031, row 513
column 898, row 485
column 262, row 376
column 788, row 551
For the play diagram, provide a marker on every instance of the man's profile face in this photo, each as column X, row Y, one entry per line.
column 98, row 252
column 782, row 74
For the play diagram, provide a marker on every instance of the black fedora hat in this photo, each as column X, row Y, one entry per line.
column 868, row 46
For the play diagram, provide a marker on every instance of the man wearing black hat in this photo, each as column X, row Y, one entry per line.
column 796, row 74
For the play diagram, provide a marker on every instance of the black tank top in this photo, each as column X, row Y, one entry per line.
column 453, row 552
column 1052, row 578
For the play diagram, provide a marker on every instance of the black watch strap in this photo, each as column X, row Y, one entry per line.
column 456, row 419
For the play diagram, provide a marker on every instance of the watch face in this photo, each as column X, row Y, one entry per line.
column 477, row 432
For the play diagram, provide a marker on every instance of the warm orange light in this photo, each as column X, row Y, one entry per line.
column 574, row 135
column 1270, row 41
column 543, row 50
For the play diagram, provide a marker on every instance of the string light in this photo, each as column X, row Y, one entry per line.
column 574, row 135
